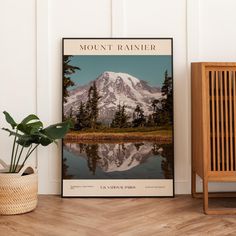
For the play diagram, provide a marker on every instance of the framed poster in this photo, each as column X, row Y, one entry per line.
column 119, row 95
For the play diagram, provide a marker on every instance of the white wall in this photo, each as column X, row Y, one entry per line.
column 217, row 34
column 17, row 63
column 30, row 62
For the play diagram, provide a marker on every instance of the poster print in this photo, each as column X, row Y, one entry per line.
column 119, row 95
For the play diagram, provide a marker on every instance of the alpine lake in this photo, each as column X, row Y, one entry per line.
column 117, row 160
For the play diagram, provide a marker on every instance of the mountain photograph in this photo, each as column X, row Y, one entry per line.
column 114, row 89
column 101, row 100
column 121, row 108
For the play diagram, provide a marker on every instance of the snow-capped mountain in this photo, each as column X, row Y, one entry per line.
column 114, row 89
column 114, row 157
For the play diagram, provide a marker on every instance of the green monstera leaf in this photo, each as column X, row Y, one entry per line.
column 30, row 125
column 10, row 120
column 29, row 134
column 57, row 131
column 30, row 128
column 29, row 119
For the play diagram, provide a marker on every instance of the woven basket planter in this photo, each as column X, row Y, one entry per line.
column 18, row 191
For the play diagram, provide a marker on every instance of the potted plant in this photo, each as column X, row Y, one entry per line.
column 19, row 181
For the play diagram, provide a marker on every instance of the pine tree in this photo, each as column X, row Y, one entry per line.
column 155, row 104
column 94, row 106
column 157, row 112
column 91, row 107
column 150, row 121
column 121, row 118
column 124, row 118
column 117, row 118
column 81, row 121
column 139, row 118
column 88, row 108
column 167, row 102
column 71, row 116
column 163, row 109
column 67, row 71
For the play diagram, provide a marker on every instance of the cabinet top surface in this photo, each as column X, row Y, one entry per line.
column 214, row 63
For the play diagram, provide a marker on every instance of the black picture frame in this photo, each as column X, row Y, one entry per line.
column 172, row 70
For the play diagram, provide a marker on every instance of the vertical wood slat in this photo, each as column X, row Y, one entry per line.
column 231, row 122
column 222, row 124
column 208, row 77
column 212, row 79
column 207, row 132
column 226, row 135
column 217, row 121
column 234, row 115
column 209, row 82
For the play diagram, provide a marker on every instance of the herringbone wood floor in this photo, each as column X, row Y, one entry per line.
column 181, row 215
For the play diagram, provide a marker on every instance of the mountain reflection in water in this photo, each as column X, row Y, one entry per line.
column 140, row 160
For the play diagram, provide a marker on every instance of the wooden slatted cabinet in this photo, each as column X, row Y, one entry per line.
column 213, row 88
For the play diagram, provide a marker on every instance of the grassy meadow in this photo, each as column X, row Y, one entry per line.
column 162, row 134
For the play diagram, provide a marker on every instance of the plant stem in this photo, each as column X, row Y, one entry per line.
column 27, row 156
column 29, row 149
column 14, row 160
column 17, row 163
column 12, row 154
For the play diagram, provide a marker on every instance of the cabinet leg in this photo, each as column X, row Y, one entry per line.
column 193, row 185
column 205, row 196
